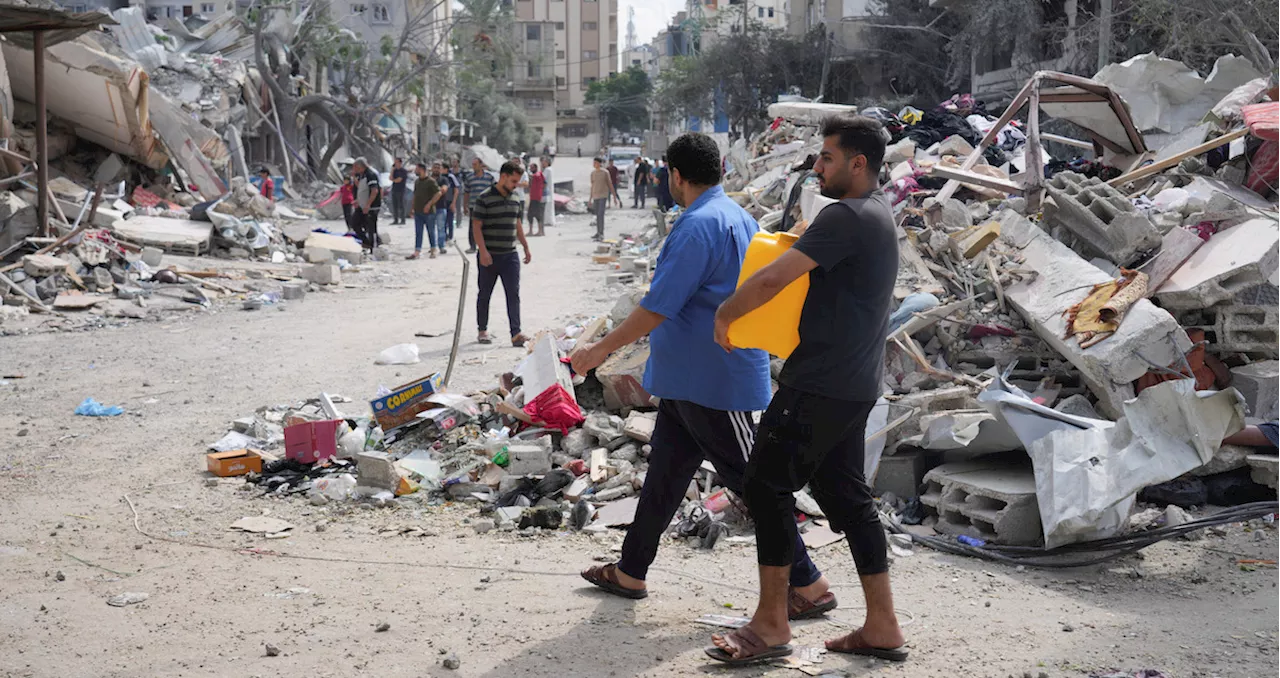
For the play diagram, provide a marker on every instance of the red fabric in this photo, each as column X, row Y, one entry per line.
column 555, row 408
column 268, row 189
column 1264, row 170
column 144, row 198
column 1263, row 120
column 537, row 184
column 348, row 194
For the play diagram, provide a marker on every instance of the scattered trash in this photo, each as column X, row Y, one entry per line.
column 93, row 408
column 262, row 525
column 400, row 354
column 129, row 598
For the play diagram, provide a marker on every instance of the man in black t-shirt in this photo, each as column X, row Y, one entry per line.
column 368, row 203
column 399, row 182
column 814, row 430
column 640, row 189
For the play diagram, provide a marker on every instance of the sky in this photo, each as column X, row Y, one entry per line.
column 651, row 17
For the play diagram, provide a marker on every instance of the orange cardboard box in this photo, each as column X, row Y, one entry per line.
column 234, row 462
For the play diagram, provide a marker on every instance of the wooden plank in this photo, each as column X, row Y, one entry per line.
column 589, row 334
column 1068, row 141
column 962, row 175
column 1178, row 246
column 1034, row 163
column 1072, row 98
column 1014, row 106
column 1157, row 167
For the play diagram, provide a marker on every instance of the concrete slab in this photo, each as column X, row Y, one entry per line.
column 622, row 376
column 544, row 369
column 1259, row 383
column 1100, row 216
column 181, row 235
column 1265, row 468
column 1230, row 263
column 1109, row 367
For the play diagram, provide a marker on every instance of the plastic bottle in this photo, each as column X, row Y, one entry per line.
column 496, row 446
column 970, row 541
column 335, row 487
column 775, row 326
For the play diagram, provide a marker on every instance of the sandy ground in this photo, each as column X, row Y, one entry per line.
column 504, row 604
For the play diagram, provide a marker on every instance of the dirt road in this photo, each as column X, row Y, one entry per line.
column 502, row 604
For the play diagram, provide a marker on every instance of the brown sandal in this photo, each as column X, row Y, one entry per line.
column 799, row 607
column 856, row 645
column 606, row 577
column 753, row 648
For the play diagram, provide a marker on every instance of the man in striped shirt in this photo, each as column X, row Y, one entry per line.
column 478, row 180
column 495, row 225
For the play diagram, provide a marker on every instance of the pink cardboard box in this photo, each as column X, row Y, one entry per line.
column 311, row 441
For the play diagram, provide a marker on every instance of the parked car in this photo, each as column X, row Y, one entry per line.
column 625, row 157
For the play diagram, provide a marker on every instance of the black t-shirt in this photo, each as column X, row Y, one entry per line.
column 642, row 173
column 846, row 314
column 371, row 178
column 403, row 175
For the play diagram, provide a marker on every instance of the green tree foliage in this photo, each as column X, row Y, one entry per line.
column 623, row 98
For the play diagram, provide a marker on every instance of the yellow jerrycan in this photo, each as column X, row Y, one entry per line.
column 774, row 327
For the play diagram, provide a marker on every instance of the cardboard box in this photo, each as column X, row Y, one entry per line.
column 312, row 441
column 234, row 462
column 403, row 404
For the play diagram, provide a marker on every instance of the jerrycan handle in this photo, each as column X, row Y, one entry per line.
column 788, row 239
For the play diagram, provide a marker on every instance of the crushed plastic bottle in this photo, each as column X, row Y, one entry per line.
column 496, row 446
column 971, row 541
column 335, row 487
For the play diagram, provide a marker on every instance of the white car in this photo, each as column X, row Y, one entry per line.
column 624, row 158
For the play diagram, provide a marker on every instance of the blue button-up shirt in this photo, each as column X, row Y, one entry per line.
column 697, row 270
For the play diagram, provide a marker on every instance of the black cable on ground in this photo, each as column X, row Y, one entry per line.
column 1086, row 553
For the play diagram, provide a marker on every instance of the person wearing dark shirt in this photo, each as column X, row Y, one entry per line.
column 537, row 204
column 368, row 202
column 664, row 186
column 814, row 430
column 476, row 182
column 495, row 223
column 613, row 180
column 453, row 201
column 426, row 193
column 641, row 186
column 268, row 187
column 399, row 179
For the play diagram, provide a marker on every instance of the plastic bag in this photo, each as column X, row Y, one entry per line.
column 93, row 408
column 335, row 487
column 400, row 354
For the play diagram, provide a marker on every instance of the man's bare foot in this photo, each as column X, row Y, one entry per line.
column 772, row 637
column 884, row 635
column 815, row 590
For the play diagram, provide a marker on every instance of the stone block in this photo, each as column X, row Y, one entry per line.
column 626, row 303
column 1109, row 367
column 992, row 499
column 902, row 151
column 323, row 274
column 1077, row 405
column 1259, row 383
column 902, row 473
column 42, row 265
column 1237, row 328
column 1237, row 265
column 294, row 291
column 544, row 368
column 317, row 255
column 528, row 459
column 376, row 469
column 1265, row 468
column 640, row 425
column 102, row 279
column 1099, row 215
column 152, row 256
column 622, row 376
column 578, row 443
column 1227, row 458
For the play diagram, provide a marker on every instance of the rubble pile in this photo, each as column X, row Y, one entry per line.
column 1062, row 318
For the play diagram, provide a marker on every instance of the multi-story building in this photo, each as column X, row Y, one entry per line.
column 725, row 17
column 179, row 9
column 586, row 50
column 644, row 56
column 533, row 76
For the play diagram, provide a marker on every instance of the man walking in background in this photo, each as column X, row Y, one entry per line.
column 549, row 193
column 640, row 188
column 814, row 430
column 453, row 198
column 477, row 182
column 399, row 183
column 426, row 193
column 707, row 394
column 613, row 182
column 368, row 203
column 601, row 189
column 664, row 186
column 537, row 189
column 495, row 222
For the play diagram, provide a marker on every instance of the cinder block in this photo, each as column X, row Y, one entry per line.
column 926, row 402
column 293, row 291
column 1233, row 328
column 317, row 255
column 1237, row 265
column 622, row 376
column 1259, row 383
column 323, row 274
column 1100, row 216
column 1265, row 468
column 903, row 473
column 992, row 499
column 528, row 459
column 152, row 256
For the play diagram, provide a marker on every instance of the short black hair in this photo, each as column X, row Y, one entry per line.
column 859, row 135
column 697, row 157
column 264, row 171
column 511, row 167
column 421, row 167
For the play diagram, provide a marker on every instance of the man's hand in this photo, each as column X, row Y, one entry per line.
column 722, row 333
column 528, row 257
column 486, row 259
column 590, row 357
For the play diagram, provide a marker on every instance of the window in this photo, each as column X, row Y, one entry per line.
column 535, row 70
column 586, row 82
column 573, row 130
column 559, row 25
column 78, row 8
column 559, row 54
column 381, row 14
column 770, row 12
column 533, row 102
column 635, row 62
column 590, row 54
column 533, row 32
column 207, row 8
column 760, row 12
column 357, row 8
column 559, row 81
column 590, row 26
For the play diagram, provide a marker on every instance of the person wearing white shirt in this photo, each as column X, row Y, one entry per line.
column 549, row 193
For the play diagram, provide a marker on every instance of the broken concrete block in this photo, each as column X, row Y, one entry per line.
column 578, row 443
column 576, row 489
column 1265, row 468
column 1077, row 405
column 1259, row 383
column 973, row 240
column 604, row 427
column 545, row 368
column 47, row 289
column 1110, row 366
column 622, row 376
column 640, row 425
column 951, row 214
column 902, row 151
column 990, row 499
column 1227, row 458
column 955, row 145
column 323, row 274
column 1237, row 328
column 902, row 473
column 926, row 402
column 42, row 265
column 900, row 171
column 297, row 232
column 152, row 256
column 528, row 459
column 626, row 303
column 1226, row 268
column 317, row 255
column 376, row 469
column 629, row 453
column 294, row 291
column 1099, row 215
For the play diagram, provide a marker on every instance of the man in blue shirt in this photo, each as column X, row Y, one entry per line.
column 707, row 394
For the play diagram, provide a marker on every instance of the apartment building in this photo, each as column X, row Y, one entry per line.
column 182, row 9
column 644, row 56
column 585, row 50
column 533, row 76
column 725, row 17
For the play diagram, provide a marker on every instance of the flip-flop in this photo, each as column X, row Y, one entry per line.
column 606, row 577
column 799, row 607
column 484, row 340
column 754, row 648
column 860, row 647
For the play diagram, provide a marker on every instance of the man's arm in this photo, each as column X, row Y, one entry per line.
column 524, row 242
column 759, row 289
column 477, row 230
column 641, row 322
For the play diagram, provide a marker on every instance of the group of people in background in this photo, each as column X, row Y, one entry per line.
column 604, row 187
